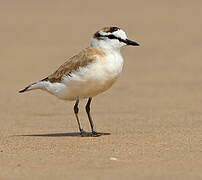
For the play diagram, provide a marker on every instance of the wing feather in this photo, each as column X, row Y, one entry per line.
column 82, row 59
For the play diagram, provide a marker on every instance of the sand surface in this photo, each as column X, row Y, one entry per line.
column 153, row 112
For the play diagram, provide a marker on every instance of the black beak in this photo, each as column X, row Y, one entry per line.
column 132, row 43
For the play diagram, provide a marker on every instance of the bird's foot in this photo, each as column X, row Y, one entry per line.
column 95, row 134
column 92, row 134
column 85, row 134
column 89, row 134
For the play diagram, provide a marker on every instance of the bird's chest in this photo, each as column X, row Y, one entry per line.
column 103, row 73
column 96, row 78
column 107, row 68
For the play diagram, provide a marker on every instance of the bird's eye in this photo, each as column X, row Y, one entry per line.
column 111, row 36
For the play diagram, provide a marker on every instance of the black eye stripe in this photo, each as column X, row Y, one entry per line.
column 98, row 35
column 111, row 36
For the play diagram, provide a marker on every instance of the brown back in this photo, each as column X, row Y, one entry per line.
column 82, row 59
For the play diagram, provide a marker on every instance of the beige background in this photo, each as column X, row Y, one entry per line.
column 153, row 112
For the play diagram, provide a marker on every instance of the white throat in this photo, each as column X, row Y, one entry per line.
column 105, row 45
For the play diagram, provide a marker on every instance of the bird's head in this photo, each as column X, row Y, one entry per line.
column 111, row 38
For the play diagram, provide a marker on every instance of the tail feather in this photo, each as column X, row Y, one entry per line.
column 37, row 85
column 25, row 89
column 28, row 88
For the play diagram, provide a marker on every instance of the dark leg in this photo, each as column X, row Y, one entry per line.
column 76, row 111
column 94, row 133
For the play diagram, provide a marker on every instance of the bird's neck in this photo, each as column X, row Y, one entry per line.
column 105, row 47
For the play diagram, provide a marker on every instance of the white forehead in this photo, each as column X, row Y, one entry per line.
column 119, row 33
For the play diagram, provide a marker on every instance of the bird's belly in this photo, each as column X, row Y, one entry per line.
column 86, row 89
column 89, row 81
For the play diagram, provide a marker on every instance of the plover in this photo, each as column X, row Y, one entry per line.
column 89, row 73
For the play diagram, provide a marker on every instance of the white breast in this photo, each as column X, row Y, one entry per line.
column 91, row 80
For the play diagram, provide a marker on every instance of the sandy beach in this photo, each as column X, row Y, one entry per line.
column 153, row 112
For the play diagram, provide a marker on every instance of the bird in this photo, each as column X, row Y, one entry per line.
column 90, row 72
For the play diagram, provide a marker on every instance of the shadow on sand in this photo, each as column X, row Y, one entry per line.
column 71, row 134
